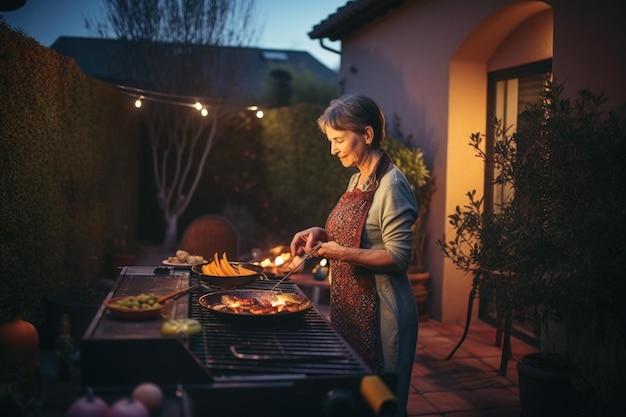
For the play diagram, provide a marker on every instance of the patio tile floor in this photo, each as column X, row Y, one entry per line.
column 469, row 384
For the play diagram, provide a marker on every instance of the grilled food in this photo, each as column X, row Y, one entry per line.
column 250, row 305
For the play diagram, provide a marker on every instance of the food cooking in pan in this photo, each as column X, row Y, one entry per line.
column 280, row 303
column 221, row 267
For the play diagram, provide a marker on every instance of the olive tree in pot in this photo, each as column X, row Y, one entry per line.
column 583, row 193
column 410, row 160
column 554, row 250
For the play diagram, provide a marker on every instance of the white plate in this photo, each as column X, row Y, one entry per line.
column 177, row 264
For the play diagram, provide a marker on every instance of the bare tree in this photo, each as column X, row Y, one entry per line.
column 174, row 50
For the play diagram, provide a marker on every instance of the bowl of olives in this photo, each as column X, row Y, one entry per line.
column 135, row 307
column 142, row 306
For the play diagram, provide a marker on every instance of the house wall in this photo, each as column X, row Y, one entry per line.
column 427, row 63
column 589, row 47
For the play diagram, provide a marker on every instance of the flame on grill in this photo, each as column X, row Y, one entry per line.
column 279, row 260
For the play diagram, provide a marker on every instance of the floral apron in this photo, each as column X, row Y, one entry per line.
column 353, row 296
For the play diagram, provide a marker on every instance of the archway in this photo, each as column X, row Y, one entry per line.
column 495, row 41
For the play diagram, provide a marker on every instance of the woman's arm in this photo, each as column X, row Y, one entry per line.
column 371, row 258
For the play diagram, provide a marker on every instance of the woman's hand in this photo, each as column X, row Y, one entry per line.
column 305, row 241
column 330, row 250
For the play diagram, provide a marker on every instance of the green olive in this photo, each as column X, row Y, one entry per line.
column 138, row 302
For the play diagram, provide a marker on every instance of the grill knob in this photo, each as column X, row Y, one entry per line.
column 339, row 403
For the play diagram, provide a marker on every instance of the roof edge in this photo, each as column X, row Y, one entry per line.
column 351, row 17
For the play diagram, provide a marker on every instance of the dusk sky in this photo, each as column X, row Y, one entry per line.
column 284, row 23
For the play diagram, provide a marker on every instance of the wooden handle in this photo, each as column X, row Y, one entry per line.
column 166, row 297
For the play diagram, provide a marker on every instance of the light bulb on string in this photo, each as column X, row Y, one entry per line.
column 176, row 100
column 258, row 113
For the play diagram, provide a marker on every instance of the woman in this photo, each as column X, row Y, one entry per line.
column 368, row 241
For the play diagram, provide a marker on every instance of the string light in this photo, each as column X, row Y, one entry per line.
column 142, row 95
column 258, row 113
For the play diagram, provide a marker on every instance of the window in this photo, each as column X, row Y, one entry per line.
column 511, row 92
column 274, row 56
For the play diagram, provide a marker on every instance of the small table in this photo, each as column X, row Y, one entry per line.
column 305, row 279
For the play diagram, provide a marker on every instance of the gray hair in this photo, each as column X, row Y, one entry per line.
column 354, row 112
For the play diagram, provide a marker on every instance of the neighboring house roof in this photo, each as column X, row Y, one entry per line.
column 94, row 56
column 351, row 17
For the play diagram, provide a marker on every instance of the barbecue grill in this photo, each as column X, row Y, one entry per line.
column 288, row 366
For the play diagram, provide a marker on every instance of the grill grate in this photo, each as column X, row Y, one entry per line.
column 303, row 346
column 301, row 361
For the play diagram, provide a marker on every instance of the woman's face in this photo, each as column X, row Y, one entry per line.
column 350, row 147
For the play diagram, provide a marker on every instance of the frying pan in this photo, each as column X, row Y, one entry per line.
column 228, row 282
column 213, row 303
column 144, row 313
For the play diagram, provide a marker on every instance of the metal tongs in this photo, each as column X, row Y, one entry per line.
column 295, row 268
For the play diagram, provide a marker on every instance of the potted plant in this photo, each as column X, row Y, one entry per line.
column 554, row 250
column 410, row 160
column 584, row 194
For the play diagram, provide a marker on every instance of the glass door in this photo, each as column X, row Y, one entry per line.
column 510, row 93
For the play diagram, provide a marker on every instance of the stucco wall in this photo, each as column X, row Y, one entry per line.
column 427, row 63
column 589, row 46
